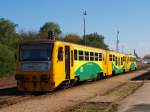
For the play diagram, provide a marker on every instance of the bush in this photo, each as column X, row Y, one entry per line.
column 7, row 61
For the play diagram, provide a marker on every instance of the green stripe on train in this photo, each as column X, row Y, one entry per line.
column 132, row 66
column 88, row 71
column 117, row 70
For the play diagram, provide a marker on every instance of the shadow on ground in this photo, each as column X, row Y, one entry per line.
column 140, row 108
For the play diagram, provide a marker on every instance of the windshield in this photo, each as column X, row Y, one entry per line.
column 36, row 52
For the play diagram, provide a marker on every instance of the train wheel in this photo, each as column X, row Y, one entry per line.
column 67, row 84
column 99, row 76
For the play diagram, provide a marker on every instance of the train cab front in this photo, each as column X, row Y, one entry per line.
column 34, row 67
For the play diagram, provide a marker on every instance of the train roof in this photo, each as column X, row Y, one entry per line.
column 52, row 41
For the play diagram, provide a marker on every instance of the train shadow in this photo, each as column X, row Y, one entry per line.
column 12, row 91
column 145, row 76
column 140, row 108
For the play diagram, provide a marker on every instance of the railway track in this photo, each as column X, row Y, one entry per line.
column 9, row 95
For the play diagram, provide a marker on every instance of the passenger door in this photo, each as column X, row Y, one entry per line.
column 67, row 62
column 109, row 63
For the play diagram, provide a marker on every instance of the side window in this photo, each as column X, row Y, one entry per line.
column 116, row 61
column 72, row 58
column 86, row 56
column 81, row 55
column 75, row 55
column 91, row 56
column 110, row 57
column 113, row 57
column 100, row 57
column 96, row 56
column 131, row 59
column 121, row 60
column 134, row 59
column 60, row 54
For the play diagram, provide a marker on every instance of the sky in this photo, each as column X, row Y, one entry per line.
column 130, row 17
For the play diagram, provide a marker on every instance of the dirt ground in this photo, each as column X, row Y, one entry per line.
column 108, row 102
column 69, row 98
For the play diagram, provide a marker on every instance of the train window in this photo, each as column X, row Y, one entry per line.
column 130, row 59
column 71, row 58
column 86, row 56
column 100, row 57
column 81, row 56
column 75, row 54
column 135, row 59
column 110, row 57
column 113, row 57
column 121, row 60
column 116, row 61
column 91, row 56
column 60, row 54
column 96, row 56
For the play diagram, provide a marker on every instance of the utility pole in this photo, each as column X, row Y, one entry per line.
column 123, row 49
column 117, row 42
column 84, row 14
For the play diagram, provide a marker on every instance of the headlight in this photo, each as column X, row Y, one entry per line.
column 19, row 77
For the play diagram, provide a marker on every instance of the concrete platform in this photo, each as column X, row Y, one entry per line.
column 137, row 102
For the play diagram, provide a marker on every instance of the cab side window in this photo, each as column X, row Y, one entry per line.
column 75, row 54
column 60, row 54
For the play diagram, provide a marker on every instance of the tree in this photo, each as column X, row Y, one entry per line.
column 135, row 53
column 31, row 35
column 74, row 38
column 50, row 26
column 7, row 28
column 147, row 56
column 7, row 60
column 95, row 40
